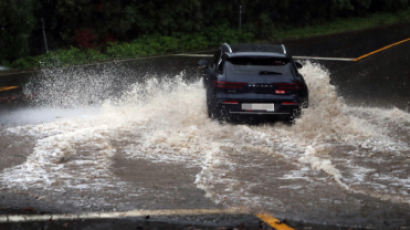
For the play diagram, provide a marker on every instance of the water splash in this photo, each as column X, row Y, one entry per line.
column 334, row 149
column 72, row 87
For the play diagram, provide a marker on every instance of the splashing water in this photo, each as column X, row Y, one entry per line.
column 332, row 151
column 76, row 86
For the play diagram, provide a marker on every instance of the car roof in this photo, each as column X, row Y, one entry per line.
column 271, row 48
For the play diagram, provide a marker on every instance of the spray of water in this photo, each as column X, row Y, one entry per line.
column 74, row 87
column 332, row 147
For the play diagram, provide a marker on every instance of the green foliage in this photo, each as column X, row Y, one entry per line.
column 144, row 46
column 16, row 24
column 61, row 57
column 25, row 63
column 123, row 50
column 125, row 20
column 98, row 30
column 71, row 56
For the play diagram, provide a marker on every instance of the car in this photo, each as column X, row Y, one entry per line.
column 254, row 80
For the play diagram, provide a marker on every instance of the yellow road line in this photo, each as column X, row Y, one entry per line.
column 381, row 49
column 272, row 221
column 8, row 88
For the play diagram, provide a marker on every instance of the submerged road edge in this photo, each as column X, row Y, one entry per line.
column 119, row 214
column 267, row 218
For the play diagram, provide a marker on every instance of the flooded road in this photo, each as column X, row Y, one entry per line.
column 152, row 146
column 138, row 137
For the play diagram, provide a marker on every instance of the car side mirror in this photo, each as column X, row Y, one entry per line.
column 203, row 63
column 298, row 65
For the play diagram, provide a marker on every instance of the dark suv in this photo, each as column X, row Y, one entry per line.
column 254, row 80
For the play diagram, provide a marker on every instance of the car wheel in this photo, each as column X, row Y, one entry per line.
column 305, row 103
column 297, row 112
column 292, row 117
column 213, row 111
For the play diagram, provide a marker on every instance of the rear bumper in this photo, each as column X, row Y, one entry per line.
column 280, row 109
column 257, row 113
column 226, row 104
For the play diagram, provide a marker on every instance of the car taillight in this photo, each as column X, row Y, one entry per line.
column 231, row 102
column 289, row 103
column 282, row 88
column 229, row 85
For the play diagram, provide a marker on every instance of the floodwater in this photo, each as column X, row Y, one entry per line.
column 82, row 145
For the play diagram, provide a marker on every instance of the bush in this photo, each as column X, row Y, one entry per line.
column 144, row 46
column 25, row 63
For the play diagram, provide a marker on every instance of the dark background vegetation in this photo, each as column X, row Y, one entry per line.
column 95, row 26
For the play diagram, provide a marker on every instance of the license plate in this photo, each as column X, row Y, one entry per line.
column 264, row 107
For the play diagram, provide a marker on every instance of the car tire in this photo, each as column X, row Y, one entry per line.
column 296, row 113
column 305, row 103
column 213, row 111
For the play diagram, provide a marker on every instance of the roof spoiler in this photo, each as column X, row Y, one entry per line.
column 227, row 47
column 283, row 48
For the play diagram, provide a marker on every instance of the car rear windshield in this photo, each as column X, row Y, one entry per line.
column 271, row 61
column 268, row 66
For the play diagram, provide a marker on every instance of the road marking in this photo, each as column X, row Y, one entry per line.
column 124, row 214
column 194, row 55
column 272, row 221
column 268, row 219
column 319, row 58
column 8, row 88
column 296, row 57
column 323, row 58
column 381, row 49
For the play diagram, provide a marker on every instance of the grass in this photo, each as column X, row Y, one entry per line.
column 157, row 45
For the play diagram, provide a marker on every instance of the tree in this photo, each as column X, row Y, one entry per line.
column 16, row 25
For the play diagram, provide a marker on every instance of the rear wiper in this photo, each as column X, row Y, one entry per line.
column 269, row 73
